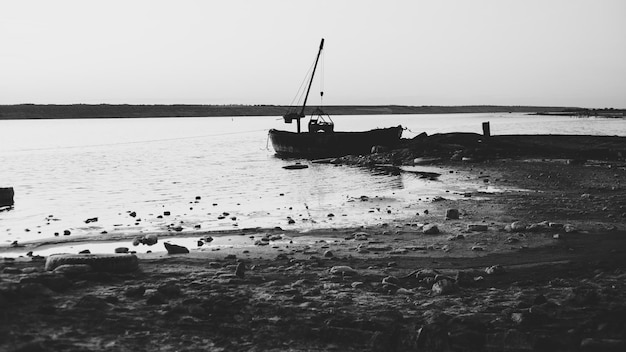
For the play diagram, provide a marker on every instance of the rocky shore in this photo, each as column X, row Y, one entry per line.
column 541, row 268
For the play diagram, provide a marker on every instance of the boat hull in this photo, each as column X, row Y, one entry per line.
column 332, row 144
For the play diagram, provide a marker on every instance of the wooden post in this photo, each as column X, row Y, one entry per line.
column 486, row 130
column 6, row 196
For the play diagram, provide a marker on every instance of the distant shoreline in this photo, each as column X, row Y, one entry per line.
column 90, row 111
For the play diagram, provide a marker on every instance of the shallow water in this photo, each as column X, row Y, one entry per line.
column 67, row 171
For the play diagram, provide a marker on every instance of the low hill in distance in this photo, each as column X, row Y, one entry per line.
column 34, row 111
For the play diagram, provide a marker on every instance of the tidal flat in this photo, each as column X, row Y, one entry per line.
column 539, row 267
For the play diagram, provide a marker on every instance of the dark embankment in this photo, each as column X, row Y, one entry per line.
column 32, row 111
column 476, row 147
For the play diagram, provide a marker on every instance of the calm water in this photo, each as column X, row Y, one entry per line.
column 67, row 171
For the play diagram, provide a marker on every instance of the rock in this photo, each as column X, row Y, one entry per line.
column 539, row 227
column 153, row 297
column 328, row 254
column 92, row 302
column 150, row 239
column 11, row 270
column 175, row 249
column 73, row 269
column 477, row 227
column 119, row 263
column 343, row 270
column 605, row 345
column 135, row 291
column 464, row 278
column 357, row 284
column 240, row 270
column 426, row 273
column 444, row 287
column 67, row 232
column 34, row 289
column 170, row 290
column 569, row 228
column 452, row 214
column 495, row 270
column 391, row 280
column 518, row 226
column 478, row 248
column 90, row 220
column 360, row 236
column 430, row 229
column 121, row 250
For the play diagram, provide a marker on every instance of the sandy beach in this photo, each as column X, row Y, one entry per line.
column 542, row 267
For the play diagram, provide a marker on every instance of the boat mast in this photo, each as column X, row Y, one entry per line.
column 306, row 97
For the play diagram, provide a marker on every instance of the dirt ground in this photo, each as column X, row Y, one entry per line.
column 541, row 268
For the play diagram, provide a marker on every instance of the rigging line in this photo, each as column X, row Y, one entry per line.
column 301, row 91
column 322, row 78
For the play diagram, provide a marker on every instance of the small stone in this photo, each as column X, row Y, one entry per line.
column 121, row 250
column 518, row 226
column 91, row 220
column 595, row 344
column 452, row 214
column 11, row 270
column 169, row 289
column 135, row 291
column 430, row 229
column 153, row 297
column 391, row 280
column 495, row 270
column 444, row 287
column 478, row 248
column 343, row 270
column 150, row 239
column 477, row 227
column 357, row 284
column 568, row 228
column 328, row 254
column 67, row 232
column 73, row 269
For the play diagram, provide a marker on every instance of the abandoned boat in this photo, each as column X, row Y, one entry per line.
column 321, row 140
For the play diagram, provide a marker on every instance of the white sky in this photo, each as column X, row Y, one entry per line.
column 413, row 52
